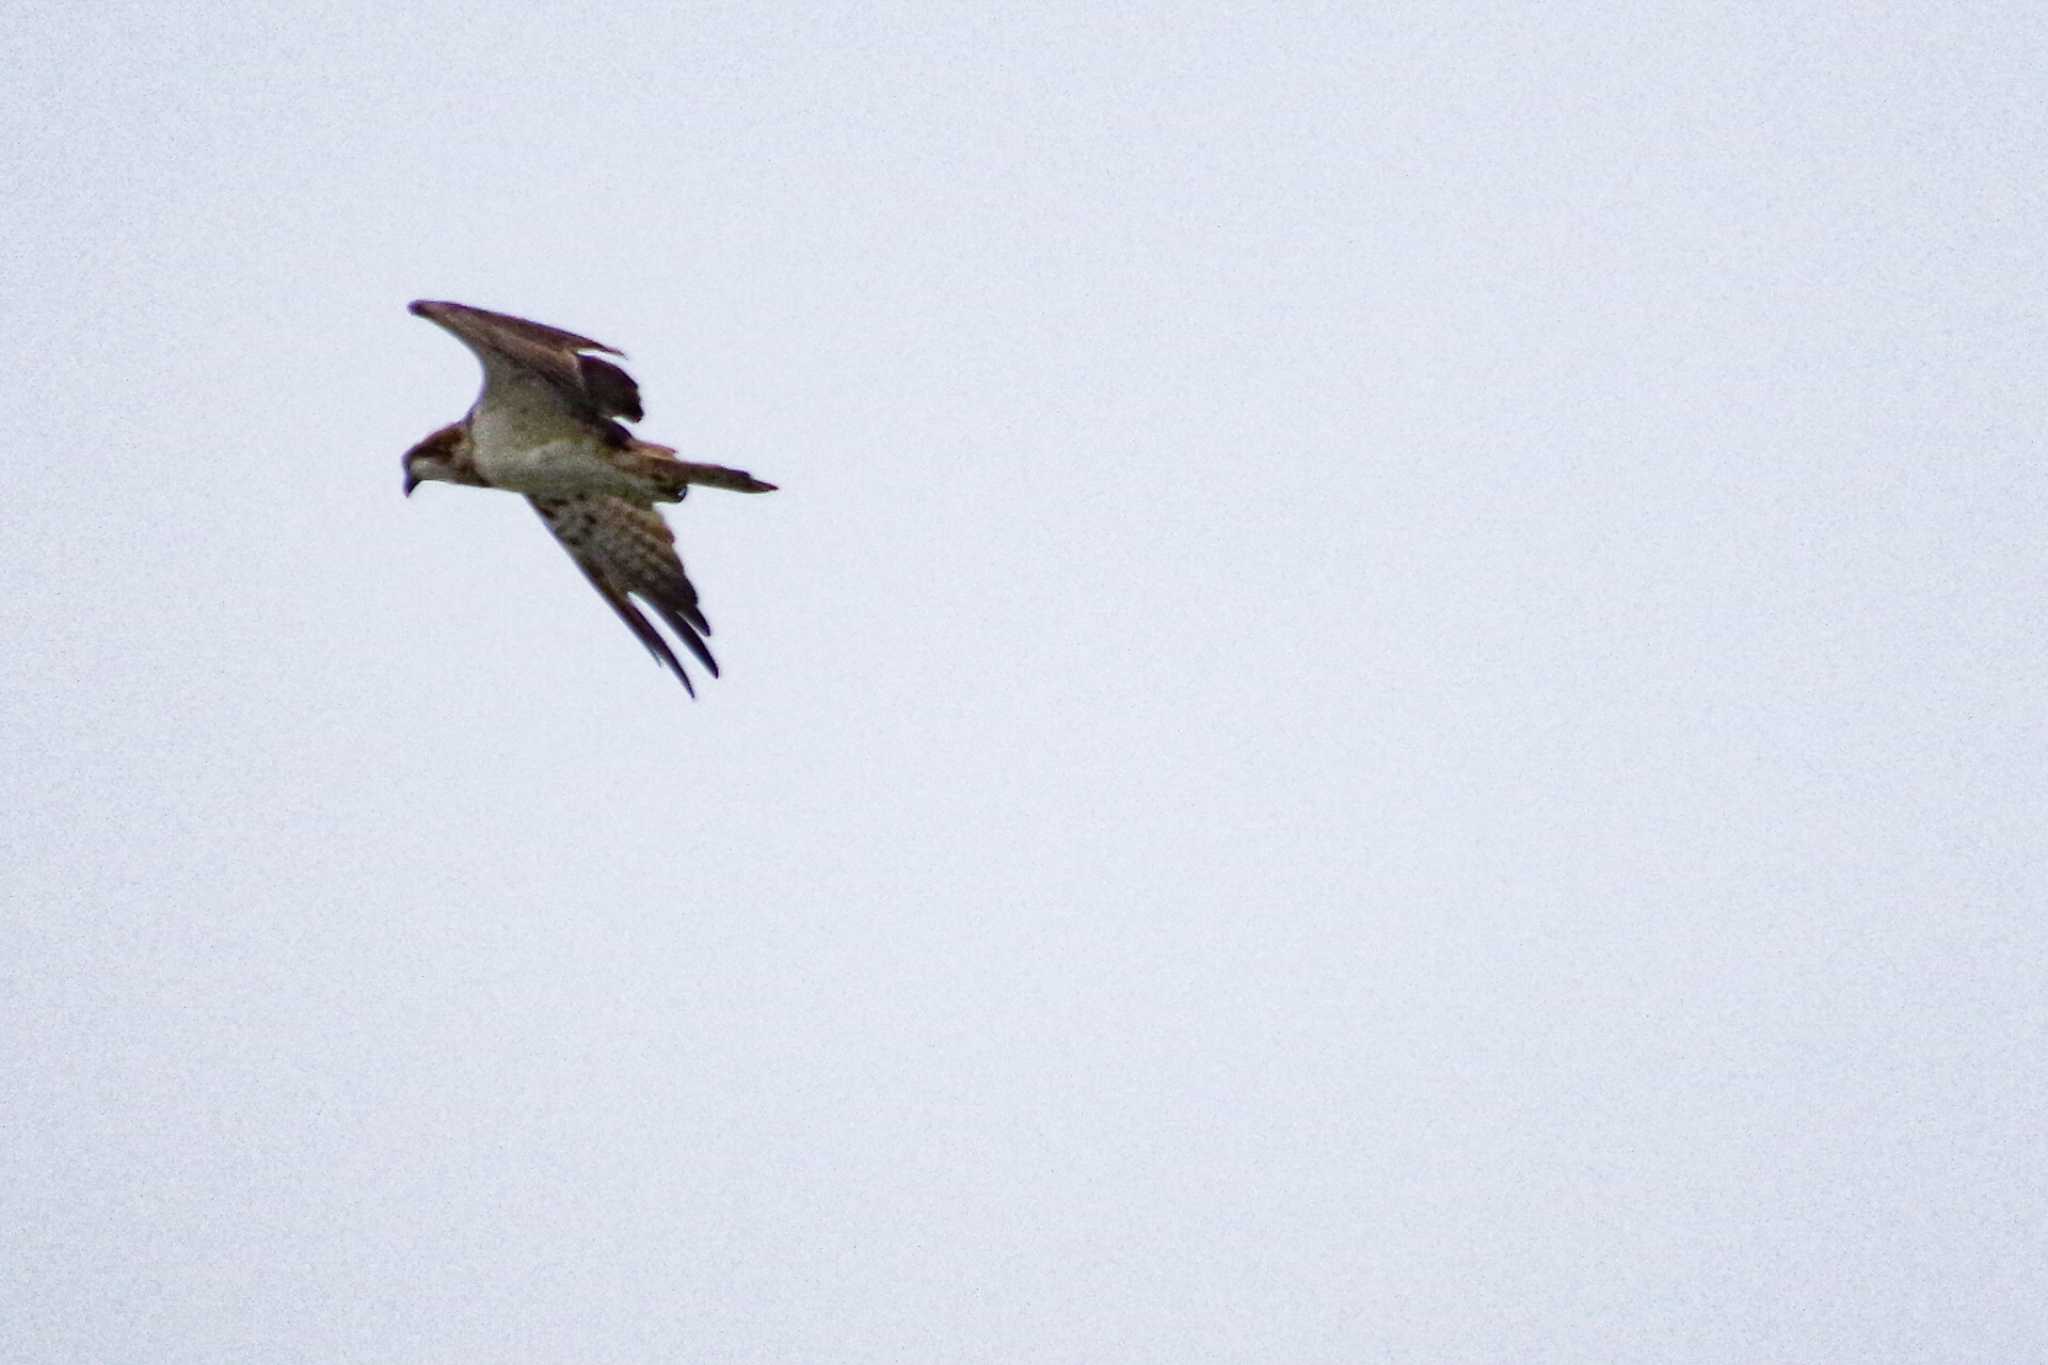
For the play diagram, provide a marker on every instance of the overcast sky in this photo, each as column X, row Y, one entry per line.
column 1393, row 708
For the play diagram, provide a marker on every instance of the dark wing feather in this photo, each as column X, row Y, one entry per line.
column 612, row 391
column 626, row 550
column 457, row 317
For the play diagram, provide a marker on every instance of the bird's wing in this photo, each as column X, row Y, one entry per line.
column 515, row 351
column 626, row 548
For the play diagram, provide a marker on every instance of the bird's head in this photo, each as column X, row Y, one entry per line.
column 444, row 456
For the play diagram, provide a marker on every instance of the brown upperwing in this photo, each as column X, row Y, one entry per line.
column 597, row 386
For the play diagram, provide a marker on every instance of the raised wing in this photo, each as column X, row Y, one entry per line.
column 514, row 350
column 626, row 549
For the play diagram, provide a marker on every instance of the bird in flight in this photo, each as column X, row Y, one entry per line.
column 549, row 424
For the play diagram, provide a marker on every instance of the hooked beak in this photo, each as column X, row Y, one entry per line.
column 410, row 483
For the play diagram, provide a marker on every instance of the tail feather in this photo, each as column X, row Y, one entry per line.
column 718, row 476
column 672, row 477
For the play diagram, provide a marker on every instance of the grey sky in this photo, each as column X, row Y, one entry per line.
column 1393, row 710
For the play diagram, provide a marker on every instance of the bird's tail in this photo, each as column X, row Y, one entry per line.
column 718, row 476
column 674, row 477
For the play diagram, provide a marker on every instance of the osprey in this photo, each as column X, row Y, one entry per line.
column 548, row 424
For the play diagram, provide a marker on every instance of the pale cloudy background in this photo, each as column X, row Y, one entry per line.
column 1393, row 710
